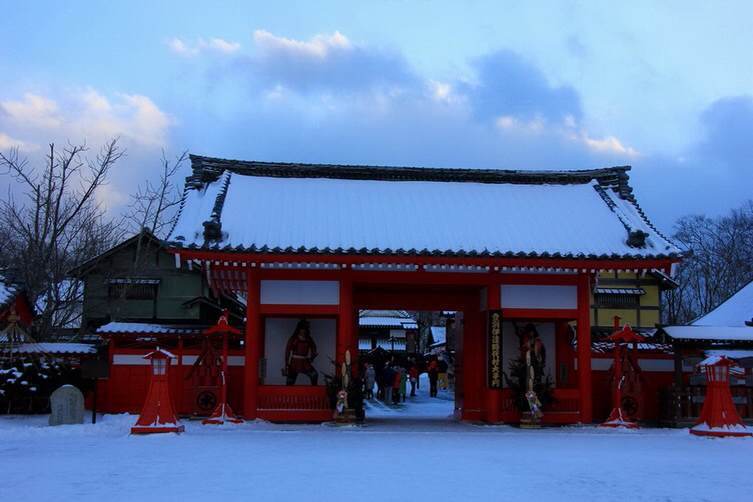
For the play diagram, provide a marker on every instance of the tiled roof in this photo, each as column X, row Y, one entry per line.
column 140, row 328
column 54, row 348
column 312, row 208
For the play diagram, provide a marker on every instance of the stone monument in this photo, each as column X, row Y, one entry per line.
column 67, row 406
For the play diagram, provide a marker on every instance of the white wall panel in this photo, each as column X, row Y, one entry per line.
column 524, row 296
column 300, row 292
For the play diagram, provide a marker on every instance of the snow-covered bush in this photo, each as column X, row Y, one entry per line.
column 26, row 384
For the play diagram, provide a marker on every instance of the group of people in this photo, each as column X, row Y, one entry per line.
column 394, row 379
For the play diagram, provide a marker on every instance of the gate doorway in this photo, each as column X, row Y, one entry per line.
column 458, row 391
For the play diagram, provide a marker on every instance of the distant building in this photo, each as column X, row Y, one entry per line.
column 138, row 282
column 135, row 294
column 725, row 331
column 393, row 330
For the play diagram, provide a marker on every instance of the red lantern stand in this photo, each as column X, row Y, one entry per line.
column 158, row 414
column 222, row 413
column 621, row 338
column 719, row 417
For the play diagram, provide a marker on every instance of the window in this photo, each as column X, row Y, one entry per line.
column 618, row 301
column 133, row 289
column 159, row 366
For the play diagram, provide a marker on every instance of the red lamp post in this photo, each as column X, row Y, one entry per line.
column 222, row 412
column 719, row 416
column 158, row 414
column 621, row 338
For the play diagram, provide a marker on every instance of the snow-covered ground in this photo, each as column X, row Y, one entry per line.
column 413, row 452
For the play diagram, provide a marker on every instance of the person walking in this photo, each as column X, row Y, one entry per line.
column 369, row 378
column 388, row 376
column 442, row 377
column 413, row 376
column 396, row 378
column 403, row 383
column 433, row 371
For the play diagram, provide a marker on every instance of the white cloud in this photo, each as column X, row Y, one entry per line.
column 608, row 144
column 31, row 111
column 214, row 44
column 221, row 45
column 82, row 115
column 6, row 143
column 511, row 123
column 320, row 46
column 178, row 46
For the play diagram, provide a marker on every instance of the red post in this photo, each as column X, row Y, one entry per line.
column 110, row 382
column 493, row 396
column 345, row 320
column 584, row 347
column 252, row 344
column 181, row 377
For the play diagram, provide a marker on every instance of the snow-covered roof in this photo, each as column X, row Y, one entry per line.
column 54, row 348
column 439, row 334
column 146, row 328
column 604, row 347
column 731, row 353
column 714, row 333
column 162, row 351
column 398, row 319
column 8, row 291
column 310, row 208
column 386, row 322
column 737, row 310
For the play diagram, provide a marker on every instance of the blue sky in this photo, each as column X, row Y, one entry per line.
column 666, row 87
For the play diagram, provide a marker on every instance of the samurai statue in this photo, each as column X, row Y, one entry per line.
column 534, row 355
column 300, row 353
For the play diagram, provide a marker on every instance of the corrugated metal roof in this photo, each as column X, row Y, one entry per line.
column 620, row 291
column 247, row 206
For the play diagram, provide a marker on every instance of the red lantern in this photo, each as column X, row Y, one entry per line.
column 222, row 412
column 621, row 338
column 719, row 416
column 158, row 414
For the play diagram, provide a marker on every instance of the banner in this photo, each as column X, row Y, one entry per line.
column 494, row 349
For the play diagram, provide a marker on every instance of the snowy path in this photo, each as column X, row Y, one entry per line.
column 397, row 456
column 421, row 409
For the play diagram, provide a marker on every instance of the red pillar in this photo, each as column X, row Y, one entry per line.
column 345, row 331
column 493, row 396
column 584, row 348
column 252, row 344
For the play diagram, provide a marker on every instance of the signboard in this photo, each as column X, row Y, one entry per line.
column 95, row 368
column 494, row 349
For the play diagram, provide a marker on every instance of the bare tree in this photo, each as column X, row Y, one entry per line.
column 153, row 206
column 57, row 224
column 719, row 262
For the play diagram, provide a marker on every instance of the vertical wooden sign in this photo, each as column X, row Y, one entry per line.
column 494, row 349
